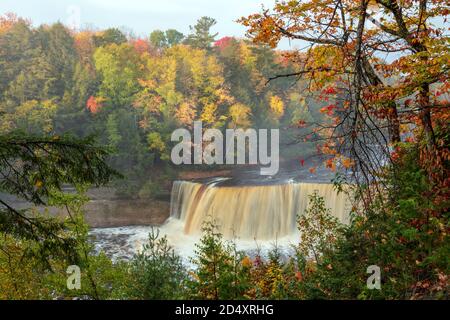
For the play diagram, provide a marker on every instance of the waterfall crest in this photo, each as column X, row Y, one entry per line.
column 250, row 212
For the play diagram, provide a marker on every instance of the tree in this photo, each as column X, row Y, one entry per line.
column 220, row 272
column 8, row 20
column 109, row 36
column 381, row 68
column 276, row 107
column 346, row 61
column 119, row 67
column 84, row 45
column 157, row 271
column 182, row 85
column 16, row 49
column 32, row 116
column 200, row 36
column 173, row 37
column 34, row 168
column 240, row 116
column 58, row 50
column 41, row 74
column 319, row 230
column 158, row 39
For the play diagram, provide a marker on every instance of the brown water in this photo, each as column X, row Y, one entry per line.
column 257, row 216
column 260, row 212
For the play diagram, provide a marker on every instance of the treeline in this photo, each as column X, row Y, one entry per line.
column 132, row 93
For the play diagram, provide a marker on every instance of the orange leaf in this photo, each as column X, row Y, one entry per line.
column 347, row 163
column 330, row 164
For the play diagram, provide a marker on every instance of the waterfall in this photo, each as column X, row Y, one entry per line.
column 250, row 212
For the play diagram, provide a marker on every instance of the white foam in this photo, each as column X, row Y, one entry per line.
column 183, row 244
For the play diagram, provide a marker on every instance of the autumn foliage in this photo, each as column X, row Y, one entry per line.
column 369, row 93
column 382, row 68
column 93, row 104
column 384, row 80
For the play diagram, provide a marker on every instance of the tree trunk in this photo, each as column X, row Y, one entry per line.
column 425, row 116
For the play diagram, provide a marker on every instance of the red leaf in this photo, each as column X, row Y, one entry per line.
column 301, row 123
column 329, row 90
column 93, row 104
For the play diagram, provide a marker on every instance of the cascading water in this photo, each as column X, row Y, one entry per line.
column 261, row 212
column 257, row 216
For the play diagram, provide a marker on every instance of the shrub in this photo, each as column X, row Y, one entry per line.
column 403, row 231
column 157, row 271
column 220, row 271
column 319, row 230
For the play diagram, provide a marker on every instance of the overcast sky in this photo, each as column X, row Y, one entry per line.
column 140, row 16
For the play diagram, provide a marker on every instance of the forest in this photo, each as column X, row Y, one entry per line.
column 132, row 93
column 367, row 100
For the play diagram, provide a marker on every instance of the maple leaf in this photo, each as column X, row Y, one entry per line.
column 328, row 109
column 93, row 104
column 408, row 102
column 246, row 262
column 329, row 90
column 347, row 163
column 141, row 46
column 223, row 42
column 330, row 164
column 301, row 123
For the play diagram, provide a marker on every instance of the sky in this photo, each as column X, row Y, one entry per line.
column 139, row 16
